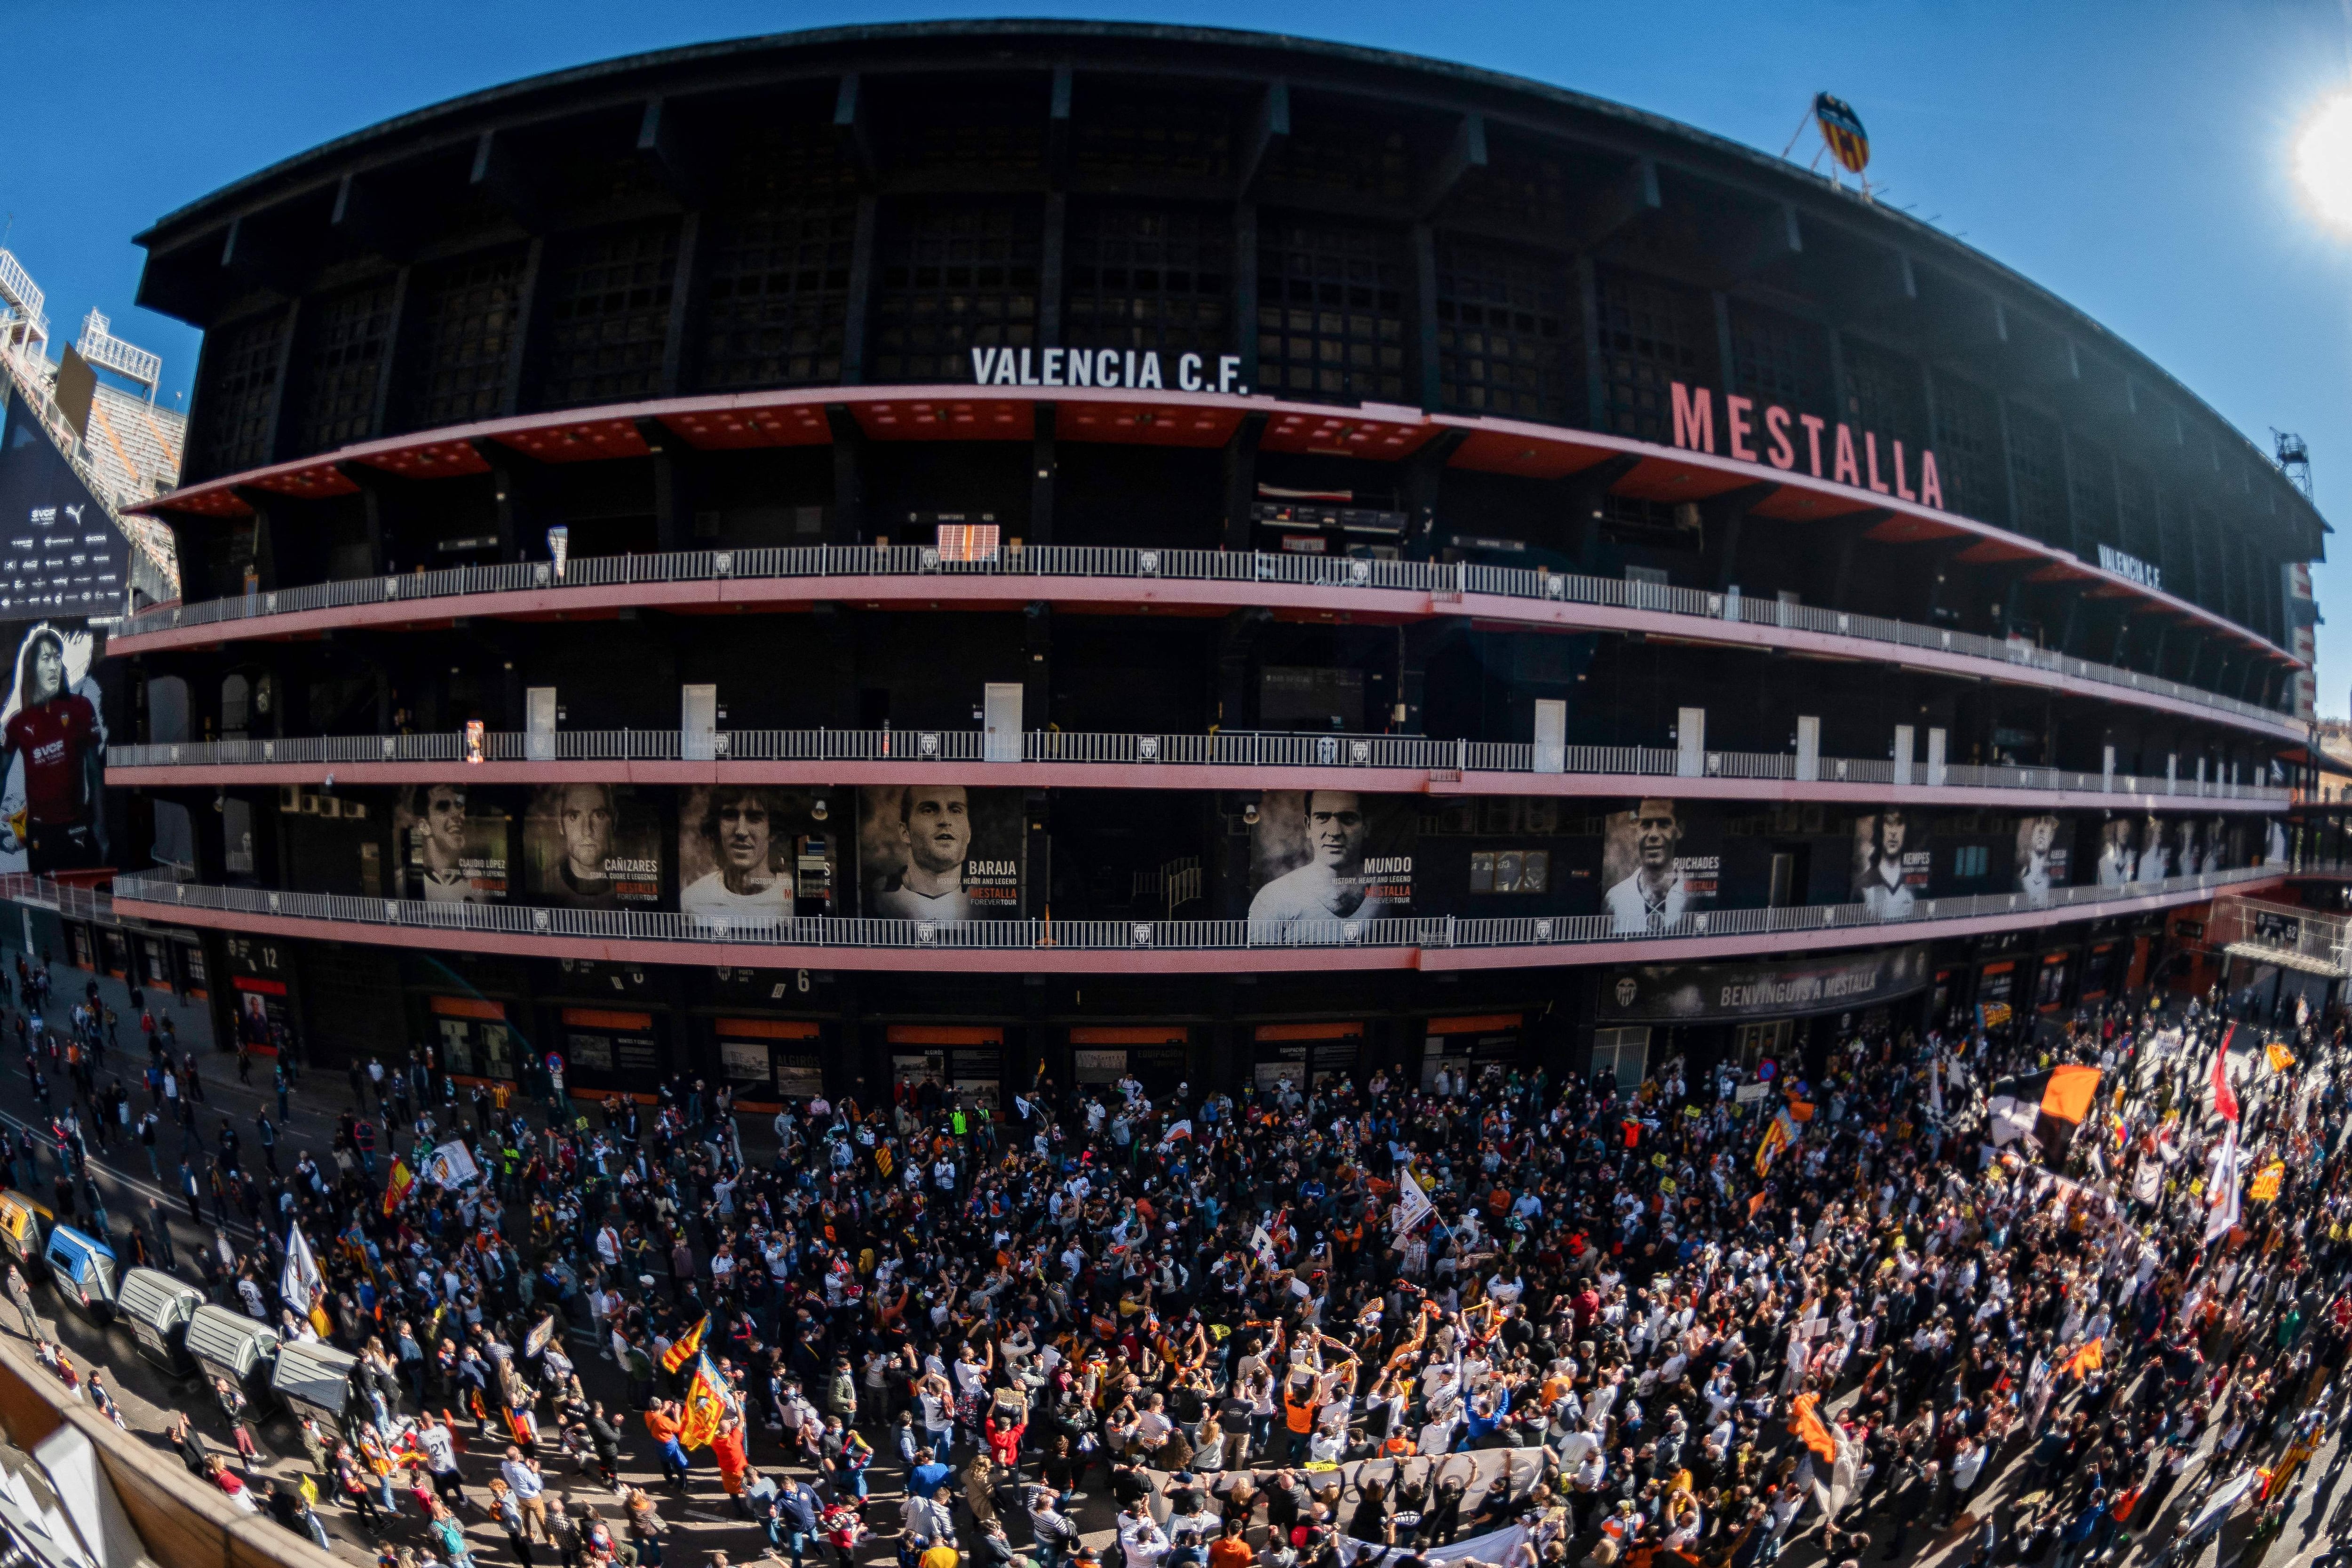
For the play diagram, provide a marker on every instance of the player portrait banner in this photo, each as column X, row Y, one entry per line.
column 741, row 850
column 2156, row 847
column 947, row 853
column 593, row 847
column 1330, row 854
column 53, row 757
column 453, row 846
column 2041, row 861
column 1699, row 993
column 1891, row 862
column 1660, row 862
column 2118, row 852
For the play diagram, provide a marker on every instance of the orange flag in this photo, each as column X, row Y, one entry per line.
column 2087, row 1358
column 1808, row 1429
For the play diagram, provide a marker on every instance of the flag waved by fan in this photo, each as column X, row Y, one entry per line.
column 2044, row 1107
column 708, row 1402
column 688, row 1346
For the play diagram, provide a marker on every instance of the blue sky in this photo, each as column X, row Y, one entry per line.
column 2135, row 159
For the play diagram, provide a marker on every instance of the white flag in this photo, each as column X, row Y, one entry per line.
column 301, row 1283
column 1413, row 1203
column 1263, row 1245
column 2221, row 1197
column 2149, row 1184
column 452, row 1165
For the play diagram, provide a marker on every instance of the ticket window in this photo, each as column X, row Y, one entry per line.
column 1307, row 1056
column 769, row 1060
column 1624, row 1053
column 1766, row 1041
column 611, row 1049
column 1448, row 1054
column 155, row 964
column 912, row 1069
column 1157, row 1055
column 1996, row 993
column 477, row 1045
column 965, row 1060
column 1098, row 1066
column 2050, row 985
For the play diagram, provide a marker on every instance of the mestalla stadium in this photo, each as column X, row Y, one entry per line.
column 970, row 551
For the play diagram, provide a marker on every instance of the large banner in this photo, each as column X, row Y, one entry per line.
column 1891, row 862
column 1659, row 862
column 1700, row 992
column 1331, row 855
column 453, row 846
column 61, row 555
column 2040, row 862
column 52, row 753
column 593, row 847
column 738, row 849
column 946, row 853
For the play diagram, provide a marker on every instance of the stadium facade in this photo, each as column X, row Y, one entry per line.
column 987, row 548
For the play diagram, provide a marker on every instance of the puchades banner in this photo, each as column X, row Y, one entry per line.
column 947, row 853
column 744, row 851
column 53, row 753
column 453, row 846
column 1891, row 862
column 588, row 846
column 1659, row 862
column 1331, row 855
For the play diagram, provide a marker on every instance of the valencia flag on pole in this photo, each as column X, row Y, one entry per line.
column 396, row 1189
column 708, row 1401
column 689, row 1345
column 2047, row 1106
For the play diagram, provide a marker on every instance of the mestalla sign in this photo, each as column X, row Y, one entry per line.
column 1770, row 436
column 1704, row 992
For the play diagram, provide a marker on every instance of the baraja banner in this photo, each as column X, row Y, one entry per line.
column 1692, row 992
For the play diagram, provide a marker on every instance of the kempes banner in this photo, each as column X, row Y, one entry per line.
column 1331, row 855
column 1891, row 861
column 1696, row 992
column 945, row 852
column 738, row 849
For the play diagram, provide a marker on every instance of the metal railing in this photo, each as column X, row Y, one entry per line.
column 1254, row 749
column 1131, row 936
column 1445, row 581
column 2289, row 933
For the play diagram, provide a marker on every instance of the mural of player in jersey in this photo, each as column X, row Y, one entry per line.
column 52, row 756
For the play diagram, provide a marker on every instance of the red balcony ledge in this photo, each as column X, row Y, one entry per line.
column 1096, row 947
column 1378, row 432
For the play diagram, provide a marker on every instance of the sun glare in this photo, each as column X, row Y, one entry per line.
column 2323, row 161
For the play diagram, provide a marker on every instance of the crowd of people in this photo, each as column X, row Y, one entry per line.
column 1834, row 1302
